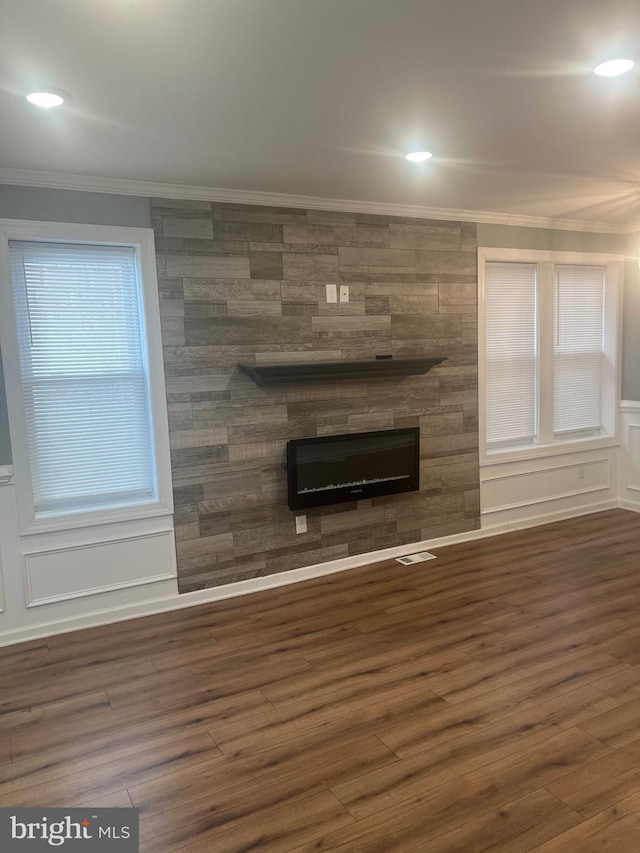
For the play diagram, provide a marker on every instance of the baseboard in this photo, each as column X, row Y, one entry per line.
column 192, row 599
column 633, row 506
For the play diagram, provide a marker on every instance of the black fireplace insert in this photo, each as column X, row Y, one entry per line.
column 354, row 466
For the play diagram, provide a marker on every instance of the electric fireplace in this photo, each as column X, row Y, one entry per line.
column 353, row 466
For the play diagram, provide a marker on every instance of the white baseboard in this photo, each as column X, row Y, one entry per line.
column 633, row 506
column 192, row 599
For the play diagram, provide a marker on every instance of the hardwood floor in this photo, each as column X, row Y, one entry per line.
column 486, row 700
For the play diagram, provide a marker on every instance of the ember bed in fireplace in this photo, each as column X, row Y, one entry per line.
column 354, row 466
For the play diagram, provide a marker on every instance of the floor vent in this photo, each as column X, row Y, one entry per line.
column 415, row 558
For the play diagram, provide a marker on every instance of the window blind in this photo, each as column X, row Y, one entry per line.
column 511, row 353
column 84, row 375
column 578, row 348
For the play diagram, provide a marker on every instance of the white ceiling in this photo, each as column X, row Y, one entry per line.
column 323, row 98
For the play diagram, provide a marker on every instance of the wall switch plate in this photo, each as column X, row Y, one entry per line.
column 301, row 523
column 344, row 293
column 332, row 293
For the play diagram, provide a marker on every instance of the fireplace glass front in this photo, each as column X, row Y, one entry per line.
column 353, row 466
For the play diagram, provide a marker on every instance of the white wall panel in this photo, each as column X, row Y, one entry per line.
column 513, row 490
column 633, row 457
column 629, row 460
column 554, row 487
column 59, row 574
column 84, row 577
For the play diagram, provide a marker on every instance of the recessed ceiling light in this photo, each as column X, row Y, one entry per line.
column 45, row 99
column 613, row 67
column 418, row 156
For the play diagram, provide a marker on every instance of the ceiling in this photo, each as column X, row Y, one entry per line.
column 324, row 97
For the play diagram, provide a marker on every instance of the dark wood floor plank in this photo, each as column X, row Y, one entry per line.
column 116, row 800
column 307, row 727
column 5, row 751
column 66, row 714
column 542, row 758
column 273, row 777
column 277, row 829
column 513, row 828
column 54, row 751
column 434, row 616
column 617, row 727
column 568, row 608
column 607, row 831
column 269, row 640
column 220, row 677
column 600, row 784
column 364, row 678
column 573, row 669
column 533, row 645
column 403, row 827
column 123, row 646
column 63, row 682
column 418, row 733
column 113, row 776
column 624, row 685
column 450, row 643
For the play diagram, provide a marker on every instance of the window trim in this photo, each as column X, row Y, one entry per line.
column 613, row 348
column 142, row 240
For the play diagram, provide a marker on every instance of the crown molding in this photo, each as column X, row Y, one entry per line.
column 159, row 189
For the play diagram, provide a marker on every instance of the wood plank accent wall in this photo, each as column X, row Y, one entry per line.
column 240, row 283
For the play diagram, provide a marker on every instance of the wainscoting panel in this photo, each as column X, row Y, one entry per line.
column 633, row 470
column 629, row 458
column 84, row 577
column 60, row 574
column 8, row 536
column 555, row 486
column 6, row 481
column 1, row 586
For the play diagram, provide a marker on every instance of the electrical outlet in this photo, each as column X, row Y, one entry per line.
column 332, row 293
column 581, row 473
column 344, row 293
column 301, row 523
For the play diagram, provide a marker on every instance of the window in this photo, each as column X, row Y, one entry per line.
column 511, row 386
column 87, row 417
column 578, row 349
column 549, row 348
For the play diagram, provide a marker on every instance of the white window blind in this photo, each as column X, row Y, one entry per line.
column 578, row 348
column 511, row 353
column 84, row 375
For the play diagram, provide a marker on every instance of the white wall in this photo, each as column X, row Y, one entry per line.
column 629, row 455
column 100, row 569
column 52, row 583
column 631, row 322
column 548, row 488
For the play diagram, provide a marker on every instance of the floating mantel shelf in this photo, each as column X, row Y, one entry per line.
column 326, row 371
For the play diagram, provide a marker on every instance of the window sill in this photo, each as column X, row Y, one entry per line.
column 500, row 457
column 6, row 475
column 78, row 520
